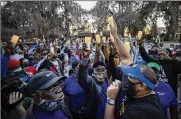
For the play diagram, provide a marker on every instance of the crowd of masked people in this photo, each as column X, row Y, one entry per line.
column 78, row 82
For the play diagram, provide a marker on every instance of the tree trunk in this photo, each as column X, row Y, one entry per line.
column 66, row 19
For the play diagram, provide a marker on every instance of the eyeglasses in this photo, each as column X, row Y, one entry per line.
column 59, row 84
column 100, row 69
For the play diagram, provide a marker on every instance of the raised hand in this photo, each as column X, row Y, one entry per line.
column 164, row 56
column 98, row 47
column 113, row 28
column 14, row 97
column 113, row 89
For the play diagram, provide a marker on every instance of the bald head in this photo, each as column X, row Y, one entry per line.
column 149, row 73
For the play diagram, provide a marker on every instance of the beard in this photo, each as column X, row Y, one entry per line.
column 131, row 91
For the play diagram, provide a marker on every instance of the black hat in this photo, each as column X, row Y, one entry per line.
column 98, row 63
column 75, row 63
column 42, row 80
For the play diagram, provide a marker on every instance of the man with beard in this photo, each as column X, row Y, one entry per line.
column 142, row 103
column 48, row 98
column 95, row 89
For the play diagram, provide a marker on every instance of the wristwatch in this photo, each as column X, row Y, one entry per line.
column 111, row 101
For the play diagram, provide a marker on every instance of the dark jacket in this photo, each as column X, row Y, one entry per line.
column 171, row 67
column 91, row 89
column 143, row 108
column 46, row 64
column 30, row 114
column 112, row 67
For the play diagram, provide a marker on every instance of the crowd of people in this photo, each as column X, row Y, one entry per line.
column 77, row 81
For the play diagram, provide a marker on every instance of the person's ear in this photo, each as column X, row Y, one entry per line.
column 141, row 87
column 36, row 97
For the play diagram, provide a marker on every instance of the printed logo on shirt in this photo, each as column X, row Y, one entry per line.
column 48, row 74
column 160, row 93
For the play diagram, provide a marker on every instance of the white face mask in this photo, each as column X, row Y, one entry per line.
column 100, row 77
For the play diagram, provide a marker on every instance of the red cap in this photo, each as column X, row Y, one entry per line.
column 13, row 64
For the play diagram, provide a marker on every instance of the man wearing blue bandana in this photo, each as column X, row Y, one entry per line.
column 138, row 83
column 48, row 99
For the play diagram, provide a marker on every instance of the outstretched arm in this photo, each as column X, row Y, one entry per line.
column 124, row 55
column 145, row 55
column 83, row 77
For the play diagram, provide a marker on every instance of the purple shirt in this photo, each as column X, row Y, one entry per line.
column 76, row 94
column 4, row 64
column 102, row 101
column 59, row 114
column 166, row 96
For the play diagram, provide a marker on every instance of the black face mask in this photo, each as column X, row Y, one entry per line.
column 128, row 87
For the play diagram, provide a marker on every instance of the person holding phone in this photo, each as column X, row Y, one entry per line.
column 171, row 67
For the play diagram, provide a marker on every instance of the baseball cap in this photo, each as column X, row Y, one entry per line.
column 154, row 65
column 98, row 63
column 42, row 80
column 146, row 75
column 13, row 64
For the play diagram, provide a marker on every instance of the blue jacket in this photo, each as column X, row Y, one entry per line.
column 4, row 64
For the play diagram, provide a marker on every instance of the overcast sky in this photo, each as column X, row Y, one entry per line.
column 88, row 5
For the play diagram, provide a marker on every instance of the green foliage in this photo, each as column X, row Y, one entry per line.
column 37, row 18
